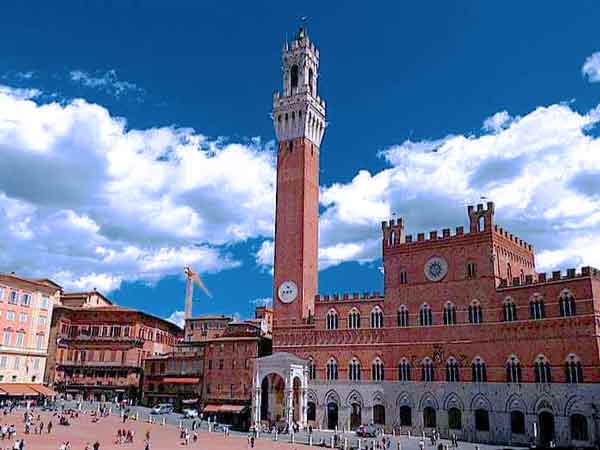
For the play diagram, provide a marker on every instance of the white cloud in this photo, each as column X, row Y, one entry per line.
column 107, row 81
column 263, row 301
column 19, row 93
column 591, row 68
column 497, row 122
column 91, row 203
column 178, row 318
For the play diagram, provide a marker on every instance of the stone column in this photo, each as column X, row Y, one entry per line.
column 256, row 404
column 304, row 410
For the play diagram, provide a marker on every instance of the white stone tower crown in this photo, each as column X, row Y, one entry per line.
column 299, row 112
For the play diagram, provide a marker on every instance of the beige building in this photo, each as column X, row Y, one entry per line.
column 25, row 313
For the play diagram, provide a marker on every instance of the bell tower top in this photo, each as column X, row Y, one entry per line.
column 298, row 112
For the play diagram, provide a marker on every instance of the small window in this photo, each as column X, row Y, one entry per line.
column 332, row 370
column 354, row 319
column 542, row 370
column 376, row 318
column 354, row 370
column 26, row 299
column 402, row 316
column 567, row 304
column 425, row 316
column 479, row 372
column 536, row 307
column 377, row 370
column 475, row 314
column 312, row 370
column 332, row 320
column 14, row 297
column 573, row 370
column 404, row 370
column 452, row 373
column 513, row 370
column 427, row 373
column 294, row 76
column 449, row 314
column 471, row 270
column 403, row 277
column 509, row 310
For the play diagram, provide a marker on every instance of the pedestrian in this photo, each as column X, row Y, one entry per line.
column 96, row 445
column 49, row 427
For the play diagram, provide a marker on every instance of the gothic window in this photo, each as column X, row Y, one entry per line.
column 452, row 371
column 567, row 304
column 332, row 369
column 403, row 277
column 482, row 420
column 517, row 422
column 403, row 316
column 509, row 273
column 471, row 270
column 509, row 310
column 404, row 370
column 294, row 77
column 405, row 416
column 312, row 370
column 475, row 315
column 354, row 370
column 478, row 369
column 310, row 81
column 579, row 427
column 573, row 370
column 522, row 276
column 376, row 317
column 513, row 370
column 536, row 307
column 425, row 317
column 541, row 370
column 354, row 319
column 449, row 314
column 427, row 370
column 377, row 370
column 454, row 419
column 332, row 320
column 429, row 417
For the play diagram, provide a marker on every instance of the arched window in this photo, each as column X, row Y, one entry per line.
column 567, row 304
column 354, row 370
column 509, row 310
column 449, row 314
column 425, row 317
column 573, row 370
column 513, row 370
column 471, row 270
column 541, row 370
column 332, row 369
column 482, row 420
column 403, row 316
column 403, row 277
column 509, row 274
column 404, row 370
column 427, row 370
column 454, row 419
column 377, row 370
column 536, row 307
column 452, row 370
column 311, row 411
column 517, row 422
column 332, row 320
column 478, row 370
column 294, row 76
column 312, row 370
column 475, row 315
column 579, row 428
column 376, row 317
column 354, row 319
column 311, row 80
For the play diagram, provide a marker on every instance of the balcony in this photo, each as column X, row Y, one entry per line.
column 98, row 364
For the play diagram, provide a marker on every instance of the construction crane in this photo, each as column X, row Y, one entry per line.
column 191, row 278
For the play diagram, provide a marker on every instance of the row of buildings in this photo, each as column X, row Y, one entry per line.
column 81, row 345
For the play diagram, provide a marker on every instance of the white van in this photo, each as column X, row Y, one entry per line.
column 162, row 408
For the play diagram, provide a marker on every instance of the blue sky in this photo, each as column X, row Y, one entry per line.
column 136, row 137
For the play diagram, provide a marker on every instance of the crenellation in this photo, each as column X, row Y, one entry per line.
column 460, row 230
column 433, row 235
column 408, row 238
column 446, row 233
column 571, row 273
column 541, row 277
column 556, row 275
column 420, row 237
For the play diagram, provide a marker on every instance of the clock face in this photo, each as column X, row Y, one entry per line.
column 287, row 292
column 436, row 268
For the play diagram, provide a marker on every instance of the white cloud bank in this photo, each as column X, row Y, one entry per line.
column 90, row 203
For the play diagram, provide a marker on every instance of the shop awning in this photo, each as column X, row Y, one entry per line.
column 18, row 390
column 43, row 390
column 181, row 380
column 235, row 409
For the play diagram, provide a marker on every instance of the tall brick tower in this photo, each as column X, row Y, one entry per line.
column 299, row 119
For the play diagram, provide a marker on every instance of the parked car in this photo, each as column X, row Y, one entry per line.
column 162, row 408
column 367, row 431
column 190, row 413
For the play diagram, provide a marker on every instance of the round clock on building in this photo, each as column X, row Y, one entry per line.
column 436, row 268
column 287, row 292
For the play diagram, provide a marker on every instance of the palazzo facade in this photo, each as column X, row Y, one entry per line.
column 467, row 337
